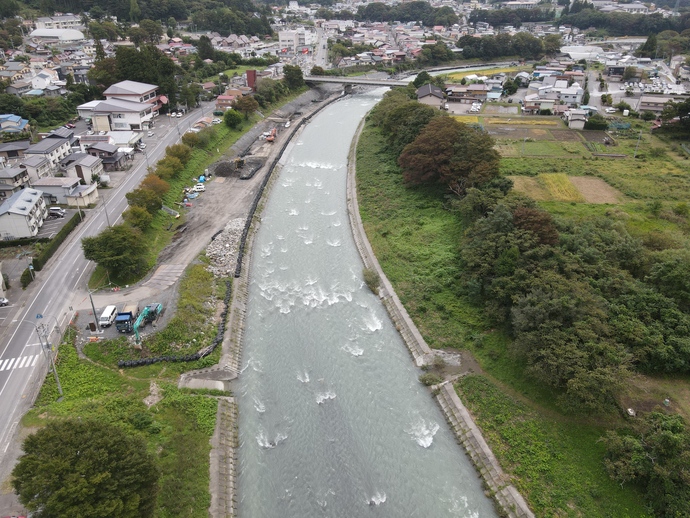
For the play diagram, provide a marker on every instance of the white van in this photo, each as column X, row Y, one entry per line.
column 108, row 316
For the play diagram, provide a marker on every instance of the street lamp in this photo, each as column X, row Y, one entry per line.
column 105, row 209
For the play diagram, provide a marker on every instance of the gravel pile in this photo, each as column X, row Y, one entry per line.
column 223, row 249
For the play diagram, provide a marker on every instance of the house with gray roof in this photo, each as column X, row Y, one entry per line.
column 120, row 115
column 10, row 150
column 54, row 149
column 82, row 165
column 37, row 166
column 67, row 191
column 22, row 214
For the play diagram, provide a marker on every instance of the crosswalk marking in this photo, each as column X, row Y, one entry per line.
column 19, row 363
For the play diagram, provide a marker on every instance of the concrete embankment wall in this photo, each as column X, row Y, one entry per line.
column 468, row 433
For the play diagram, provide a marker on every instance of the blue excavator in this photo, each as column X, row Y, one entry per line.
column 148, row 315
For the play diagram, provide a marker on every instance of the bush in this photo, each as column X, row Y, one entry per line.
column 429, row 379
column 47, row 252
column 372, row 280
column 26, row 278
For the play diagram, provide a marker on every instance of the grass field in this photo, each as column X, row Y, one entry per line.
column 553, row 458
column 467, row 119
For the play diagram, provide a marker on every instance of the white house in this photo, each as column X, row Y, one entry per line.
column 68, row 191
column 22, row 214
column 44, row 79
column 576, row 119
column 119, row 115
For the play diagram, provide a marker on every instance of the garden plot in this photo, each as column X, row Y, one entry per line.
column 596, row 136
column 560, row 187
column 564, row 135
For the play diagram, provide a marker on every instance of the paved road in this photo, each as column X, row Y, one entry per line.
column 23, row 364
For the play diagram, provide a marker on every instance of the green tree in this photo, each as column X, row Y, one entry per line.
column 585, row 96
column 137, row 35
column 81, row 467
column 246, row 105
column 138, row 217
column 552, row 44
column 134, row 11
column 629, row 73
column 118, row 249
column 597, row 122
column 292, row 75
column 404, row 123
column 452, row 153
column 204, row 48
column 649, row 49
column 232, row 119
column 179, row 151
column 510, row 87
column 145, row 198
column 154, row 31
column 155, row 184
column 656, row 455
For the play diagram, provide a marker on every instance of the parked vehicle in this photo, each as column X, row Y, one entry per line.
column 272, row 136
column 179, row 114
column 124, row 322
column 142, row 145
column 108, row 316
column 150, row 134
column 56, row 212
column 200, row 187
column 216, row 121
column 4, row 302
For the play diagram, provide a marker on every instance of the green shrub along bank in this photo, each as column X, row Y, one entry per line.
column 417, row 233
column 47, row 250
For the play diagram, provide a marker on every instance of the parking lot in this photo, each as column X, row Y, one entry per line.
column 52, row 225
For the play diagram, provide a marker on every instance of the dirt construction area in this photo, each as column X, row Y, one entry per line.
column 225, row 201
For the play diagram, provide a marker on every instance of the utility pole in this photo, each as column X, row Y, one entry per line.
column 47, row 347
column 638, row 144
column 95, row 318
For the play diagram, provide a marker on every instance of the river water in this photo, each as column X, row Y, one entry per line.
column 333, row 420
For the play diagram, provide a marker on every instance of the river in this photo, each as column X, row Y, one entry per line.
column 333, row 419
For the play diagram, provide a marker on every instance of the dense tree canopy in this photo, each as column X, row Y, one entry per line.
column 451, row 153
column 120, row 248
column 655, row 454
column 86, row 468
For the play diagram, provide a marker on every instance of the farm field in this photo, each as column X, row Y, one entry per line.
column 456, row 77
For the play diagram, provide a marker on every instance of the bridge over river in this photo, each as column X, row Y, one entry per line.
column 362, row 80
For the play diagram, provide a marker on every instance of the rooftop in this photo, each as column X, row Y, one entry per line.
column 129, row 88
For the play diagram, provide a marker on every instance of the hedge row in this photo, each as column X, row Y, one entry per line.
column 53, row 245
column 22, row 242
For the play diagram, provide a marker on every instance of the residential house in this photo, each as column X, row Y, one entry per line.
column 575, row 118
column 82, row 165
column 18, row 88
column 22, row 214
column 112, row 159
column 44, row 79
column 54, row 149
column 120, row 115
column 12, row 150
column 37, row 166
column 10, row 123
column 653, row 103
column 16, row 66
column 68, row 191
column 134, row 91
column 224, row 102
column 430, row 95
column 12, row 179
